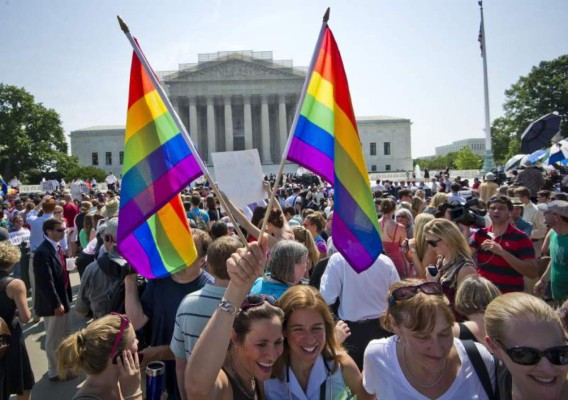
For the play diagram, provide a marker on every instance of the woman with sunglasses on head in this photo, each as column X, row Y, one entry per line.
column 454, row 262
column 526, row 335
column 106, row 351
column 250, row 327
column 423, row 360
column 313, row 364
column 287, row 266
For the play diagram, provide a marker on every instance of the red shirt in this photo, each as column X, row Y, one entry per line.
column 494, row 267
column 69, row 212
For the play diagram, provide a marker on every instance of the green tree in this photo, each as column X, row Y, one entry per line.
column 542, row 91
column 438, row 163
column 31, row 136
column 467, row 159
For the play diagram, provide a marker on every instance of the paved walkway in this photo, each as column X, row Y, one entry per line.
column 44, row 389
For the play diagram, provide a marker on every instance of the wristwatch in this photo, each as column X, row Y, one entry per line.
column 228, row 307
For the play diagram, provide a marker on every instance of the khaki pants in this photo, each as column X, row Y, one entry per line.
column 56, row 329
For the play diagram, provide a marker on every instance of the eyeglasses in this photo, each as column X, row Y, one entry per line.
column 255, row 300
column 433, row 243
column 408, row 292
column 124, row 321
column 528, row 356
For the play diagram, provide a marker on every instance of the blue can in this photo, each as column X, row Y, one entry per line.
column 155, row 380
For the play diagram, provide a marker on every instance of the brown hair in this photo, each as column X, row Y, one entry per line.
column 305, row 237
column 417, row 312
column 218, row 253
column 474, row 295
column 48, row 206
column 244, row 320
column 388, row 206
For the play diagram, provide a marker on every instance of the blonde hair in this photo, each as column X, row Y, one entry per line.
column 416, row 313
column 451, row 235
column 89, row 349
column 419, row 235
column 516, row 305
column 303, row 297
column 474, row 295
column 416, row 203
column 437, row 199
column 305, row 237
column 9, row 255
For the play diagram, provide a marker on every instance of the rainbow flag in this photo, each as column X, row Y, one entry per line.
column 153, row 232
column 325, row 140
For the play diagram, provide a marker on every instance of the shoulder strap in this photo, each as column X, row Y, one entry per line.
column 479, row 367
column 5, row 282
column 466, row 333
column 324, row 383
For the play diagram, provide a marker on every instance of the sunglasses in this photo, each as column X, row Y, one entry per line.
column 124, row 321
column 528, row 356
column 408, row 292
column 433, row 243
column 255, row 300
column 60, row 230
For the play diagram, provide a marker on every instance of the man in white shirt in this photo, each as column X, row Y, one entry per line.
column 363, row 299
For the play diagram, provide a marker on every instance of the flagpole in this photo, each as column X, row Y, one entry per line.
column 295, row 120
column 488, row 163
column 179, row 125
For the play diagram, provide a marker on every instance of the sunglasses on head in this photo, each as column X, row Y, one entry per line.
column 433, row 243
column 528, row 356
column 124, row 321
column 408, row 292
column 255, row 300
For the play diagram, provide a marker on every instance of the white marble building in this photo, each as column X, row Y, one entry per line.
column 475, row 144
column 244, row 100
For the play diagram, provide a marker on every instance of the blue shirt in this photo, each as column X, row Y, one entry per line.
column 36, row 228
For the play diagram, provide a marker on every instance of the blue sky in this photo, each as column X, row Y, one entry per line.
column 414, row 59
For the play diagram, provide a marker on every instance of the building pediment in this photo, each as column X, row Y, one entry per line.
column 235, row 69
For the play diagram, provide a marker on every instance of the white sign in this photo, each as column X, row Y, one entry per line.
column 239, row 175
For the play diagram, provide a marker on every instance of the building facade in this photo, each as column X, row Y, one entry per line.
column 477, row 145
column 239, row 101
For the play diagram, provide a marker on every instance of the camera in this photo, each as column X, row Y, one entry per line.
column 463, row 214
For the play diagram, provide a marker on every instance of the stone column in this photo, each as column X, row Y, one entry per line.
column 210, row 128
column 283, row 136
column 193, row 130
column 265, row 129
column 247, row 122
column 228, row 124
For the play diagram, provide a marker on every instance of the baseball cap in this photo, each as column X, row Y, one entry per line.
column 559, row 207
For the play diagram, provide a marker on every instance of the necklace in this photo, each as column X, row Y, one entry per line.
column 424, row 385
column 249, row 394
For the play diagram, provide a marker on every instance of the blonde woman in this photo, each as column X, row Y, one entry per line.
column 435, row 202
column 526, row 335
column 454, row 262
column 420, row 254
column 418, row 205
column 305, row 237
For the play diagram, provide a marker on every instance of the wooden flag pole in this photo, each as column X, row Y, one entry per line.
column 180, row 125
column 295, row 122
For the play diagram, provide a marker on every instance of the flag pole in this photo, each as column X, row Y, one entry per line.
column 179, row 124
column 488, row 163
column 295, row 120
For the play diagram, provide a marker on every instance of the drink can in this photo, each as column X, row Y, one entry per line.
column 155, row 380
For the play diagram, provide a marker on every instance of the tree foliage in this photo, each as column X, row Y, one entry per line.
column 438, row 163
column 542, row 91
column 467, row 159
column 31, row 135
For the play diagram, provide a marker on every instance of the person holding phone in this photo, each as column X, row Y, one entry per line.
column 107, row 351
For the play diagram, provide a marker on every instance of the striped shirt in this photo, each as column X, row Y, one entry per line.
column 192, row 315
column 494, row 267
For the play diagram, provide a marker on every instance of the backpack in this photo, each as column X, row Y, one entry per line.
column 199, row 222
column 5, row 334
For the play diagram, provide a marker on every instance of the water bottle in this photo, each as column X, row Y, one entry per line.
column 155, row 380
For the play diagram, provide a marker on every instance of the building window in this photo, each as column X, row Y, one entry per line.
column 387, row 148
column 95, row 158
column 108, row 158
column 373, row 149
column 121, row 157
column 373, row 168
column 387, row 167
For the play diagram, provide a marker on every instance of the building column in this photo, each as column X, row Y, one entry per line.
column 193, row 130
column 228, row 124
column 210, row 129
column 247, row 122
column 283, row 136
column 265, row 129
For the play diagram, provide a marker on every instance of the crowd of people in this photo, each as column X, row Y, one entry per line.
column 468, row 300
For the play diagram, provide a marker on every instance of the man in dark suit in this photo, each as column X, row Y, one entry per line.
column 53, row 293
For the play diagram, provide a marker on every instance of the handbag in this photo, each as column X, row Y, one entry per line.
column 5, row 334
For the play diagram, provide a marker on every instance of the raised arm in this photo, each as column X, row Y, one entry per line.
column 204, row 378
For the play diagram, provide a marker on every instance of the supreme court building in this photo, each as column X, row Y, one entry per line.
column 244, row 100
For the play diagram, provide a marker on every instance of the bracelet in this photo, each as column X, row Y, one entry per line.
column 134, row 395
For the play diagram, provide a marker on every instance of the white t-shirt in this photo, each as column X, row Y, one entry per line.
column 383, row 376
